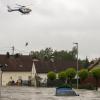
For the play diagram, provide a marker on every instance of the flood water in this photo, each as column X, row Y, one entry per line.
column 31, row 93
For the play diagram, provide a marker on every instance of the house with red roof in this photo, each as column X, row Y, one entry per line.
column 23, row 67
column 43, row 67
column 18, row 67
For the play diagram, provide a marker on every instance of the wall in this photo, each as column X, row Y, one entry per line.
column 90, row 80
column 43, row 77
column 33, row 82
column 15, row 75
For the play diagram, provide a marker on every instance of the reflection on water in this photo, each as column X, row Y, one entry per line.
column 30, row 93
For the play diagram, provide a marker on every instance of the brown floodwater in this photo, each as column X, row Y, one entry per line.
column 31, row 93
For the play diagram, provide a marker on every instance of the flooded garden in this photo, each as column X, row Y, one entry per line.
column 31, row 93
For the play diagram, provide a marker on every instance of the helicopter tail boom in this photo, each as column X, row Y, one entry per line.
column 9, row 9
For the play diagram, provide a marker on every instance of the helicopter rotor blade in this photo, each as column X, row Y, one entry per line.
column 23, row 6
column 29, row 5
column 20, row 5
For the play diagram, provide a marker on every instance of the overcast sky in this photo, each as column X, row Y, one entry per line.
column 52, row 23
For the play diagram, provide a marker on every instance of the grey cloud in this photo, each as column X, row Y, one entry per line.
column 54, row 23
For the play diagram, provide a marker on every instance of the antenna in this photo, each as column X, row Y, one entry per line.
column 13, row 49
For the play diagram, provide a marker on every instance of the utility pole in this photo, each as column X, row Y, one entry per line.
column 0, row 81
column 13, row 50
column 77, row 64
column 0, row 78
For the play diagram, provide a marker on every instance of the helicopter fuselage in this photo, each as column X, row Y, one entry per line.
column 24, row 10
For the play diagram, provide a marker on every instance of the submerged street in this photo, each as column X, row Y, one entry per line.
column 31, row 93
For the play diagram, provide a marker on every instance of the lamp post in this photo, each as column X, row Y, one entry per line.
column 77, row 63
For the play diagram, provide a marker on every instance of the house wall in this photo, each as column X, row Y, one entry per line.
column 6, row 76
column 43, row 76
column 33, row 82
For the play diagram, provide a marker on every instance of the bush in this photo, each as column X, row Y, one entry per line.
column 65, row 86
column 83, row 74
column 70, row 73
column 51, row 75
column 96, row 75
column 62, row 76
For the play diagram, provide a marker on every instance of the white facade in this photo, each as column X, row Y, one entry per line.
column 33, row 74
column 43, row 77
column 6, row 76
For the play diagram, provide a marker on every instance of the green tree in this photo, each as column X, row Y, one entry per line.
column 62, row 75
column 64, row 55
column 83, row 74
column 70, row 73
column 51, row 75
column 73, row 52
column 96, row 75
column 34, row 54
column 46, row 54
column 85, row 63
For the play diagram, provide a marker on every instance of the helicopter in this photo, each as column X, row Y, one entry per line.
column 20, row 8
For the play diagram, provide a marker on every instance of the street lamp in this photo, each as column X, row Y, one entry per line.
column 77, row 63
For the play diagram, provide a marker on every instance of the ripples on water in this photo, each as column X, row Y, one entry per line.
column 30, row 93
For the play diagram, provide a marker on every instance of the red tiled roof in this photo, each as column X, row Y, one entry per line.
column 94, row 64
column 21, row 63
column 46, row 66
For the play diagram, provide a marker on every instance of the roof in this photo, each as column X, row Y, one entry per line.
column 94, row 64
column 22, row 63
column 46, row 66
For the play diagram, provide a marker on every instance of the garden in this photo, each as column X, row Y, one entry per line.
column 68, row 78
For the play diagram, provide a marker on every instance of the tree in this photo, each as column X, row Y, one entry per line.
column 35, row 54
column 44, row 54
column 62, row 75
column 7, row 54
column 83, row 74
column 51, row 75
column 70, row 73
column 62, row 55
column 73, row 52
column 85, row 63
column 96, row 75
column 47, row 53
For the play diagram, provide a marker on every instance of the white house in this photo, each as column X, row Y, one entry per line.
column 43, row 67
column 22, row 67
column 19, row 67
